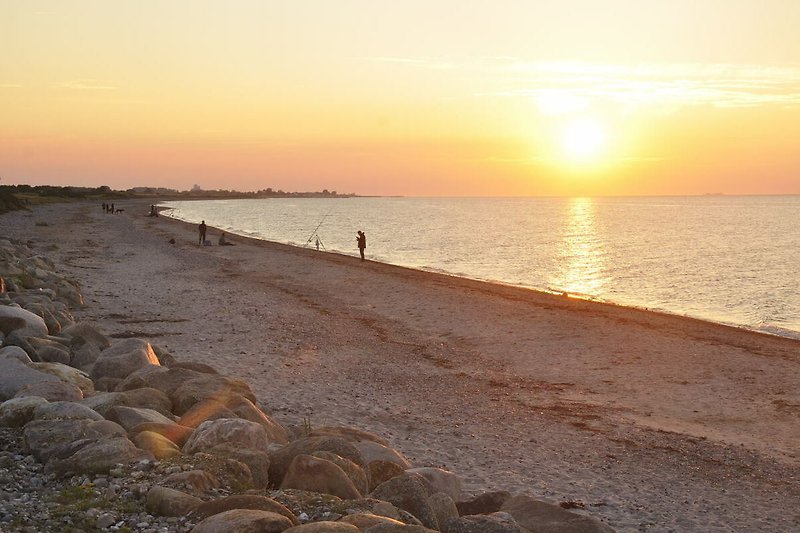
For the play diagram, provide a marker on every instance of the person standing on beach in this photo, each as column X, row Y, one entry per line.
column 202, row 229
column 361, row 239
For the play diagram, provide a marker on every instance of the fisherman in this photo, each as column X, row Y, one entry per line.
column 361, row 239
column 202, row 230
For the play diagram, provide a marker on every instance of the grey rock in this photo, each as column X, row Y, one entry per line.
column 544, row 517
column 14, row 375
column 15, row 352
column 99, row 456
column 65, row 411
column 130, row 417
column 49, row 438
column 233, row 431
column 52, row 391
column 21, row 322
column 17, row 412
column 164, row 501
column 243, row 520
column 491, row 523
column 441, row 480
column 123, row 358
column 409, row 492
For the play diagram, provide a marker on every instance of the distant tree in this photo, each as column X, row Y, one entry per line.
column 196, row 188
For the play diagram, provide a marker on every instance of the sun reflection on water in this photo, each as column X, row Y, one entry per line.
column 581, row 253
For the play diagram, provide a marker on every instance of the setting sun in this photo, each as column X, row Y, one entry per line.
column 584, row 139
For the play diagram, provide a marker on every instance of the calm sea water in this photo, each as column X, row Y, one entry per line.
column 734, row 260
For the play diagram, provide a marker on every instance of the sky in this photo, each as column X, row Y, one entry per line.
column 407, row 97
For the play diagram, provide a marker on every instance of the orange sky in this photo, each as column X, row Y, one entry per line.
column 404, row 97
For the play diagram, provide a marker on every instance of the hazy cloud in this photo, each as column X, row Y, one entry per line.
column 86, row 85
column 570, row 85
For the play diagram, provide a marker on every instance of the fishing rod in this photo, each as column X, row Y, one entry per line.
column 314, row 233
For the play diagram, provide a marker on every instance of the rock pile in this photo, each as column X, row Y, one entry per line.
column 123, row 436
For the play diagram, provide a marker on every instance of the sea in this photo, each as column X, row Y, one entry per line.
column 727, row 259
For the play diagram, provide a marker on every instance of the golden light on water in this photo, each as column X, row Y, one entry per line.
column 581, row 251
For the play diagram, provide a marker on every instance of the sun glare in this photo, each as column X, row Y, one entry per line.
column 583, row 139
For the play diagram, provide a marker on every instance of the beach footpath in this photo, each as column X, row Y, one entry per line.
column 152, row 384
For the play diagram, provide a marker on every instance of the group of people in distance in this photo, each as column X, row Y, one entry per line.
column 109, row 208
column 361, row 239
column 202, row 229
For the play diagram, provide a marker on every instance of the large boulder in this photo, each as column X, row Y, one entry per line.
column 194, row 480
column 441, row 480
column 353, row 471
column 243, row 501
column 205, row 410
column 380, row 471
column 187, row 387
column 174, row 432
column 256, row 460
column 409, row 492
column 160, row 446
column 244, row 521
column 130, row 417
column 544, row 517
column 17, row 412
column 375, row 507
column 123, row 358
column 347, row 433
column 485, row 503
column 15, row 374
column 65, row 411
column 14, row 352
column 85, row 333
column 52, row 391
column 98, row 457
column 146, row 398
column 244, row 408
column 443, row 507
column 234, row 406
column 366, row 520
column 373, row 451
column 84, row 356
column 49, row 351
column 208, row 386
column 68, row 292
column 491, row 523
column 163, row 501
column 230, row 472
column 233, row 431
column 21, row 322
column 55, row 438
column 67, row 373
column 281, row 458
column 319, row 475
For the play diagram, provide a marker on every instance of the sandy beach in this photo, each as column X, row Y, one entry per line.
column 652, row 422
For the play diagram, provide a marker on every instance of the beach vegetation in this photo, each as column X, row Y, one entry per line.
column 16, row 197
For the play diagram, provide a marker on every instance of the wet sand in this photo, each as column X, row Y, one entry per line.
column 652, row 421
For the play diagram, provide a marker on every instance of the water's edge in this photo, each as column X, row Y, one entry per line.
column 770, row 330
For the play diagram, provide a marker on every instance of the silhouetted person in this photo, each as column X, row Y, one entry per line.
column 112, row 208
column 105, row 209
column 202, row 229
column 362, row 243
column 153, row 211
column 223, row 241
